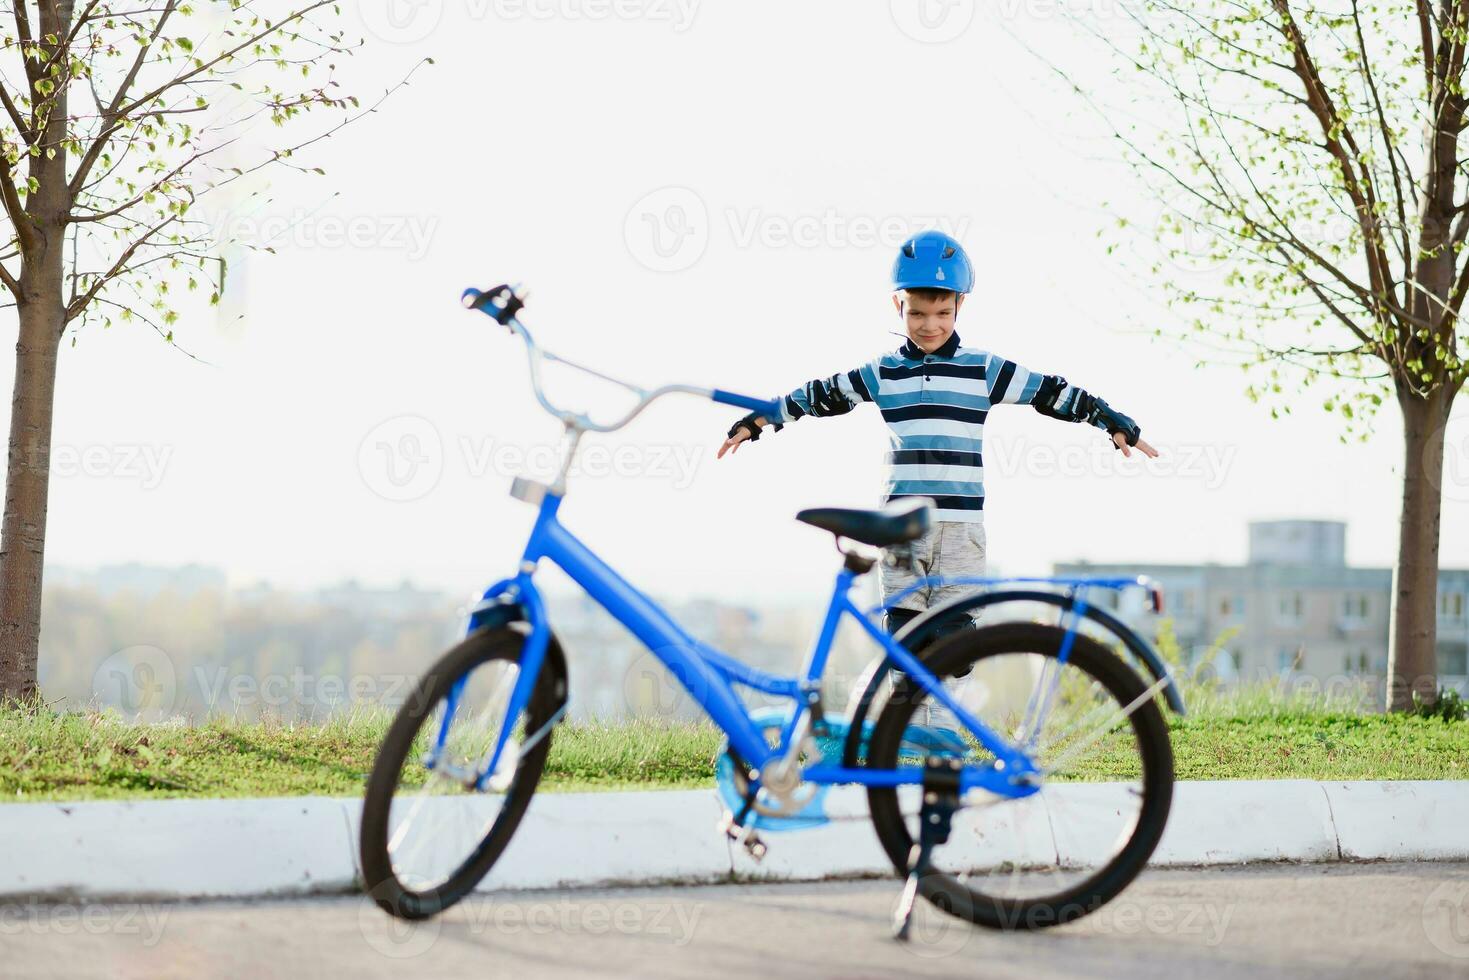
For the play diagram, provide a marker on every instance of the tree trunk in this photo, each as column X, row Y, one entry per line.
column 23, row 532
column 42, row 312
column 1413, row 633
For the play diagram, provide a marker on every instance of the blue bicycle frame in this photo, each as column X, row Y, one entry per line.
column 709, row 675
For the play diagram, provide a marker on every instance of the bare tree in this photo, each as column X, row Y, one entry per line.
column 115, row 121
column 1313, row 156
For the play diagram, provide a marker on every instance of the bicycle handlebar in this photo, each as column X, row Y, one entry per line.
column 502, row 303
column 768, row 407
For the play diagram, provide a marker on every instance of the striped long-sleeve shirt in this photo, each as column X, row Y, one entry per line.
column 935, row 407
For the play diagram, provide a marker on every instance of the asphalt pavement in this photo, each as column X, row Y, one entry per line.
column 1327, row 920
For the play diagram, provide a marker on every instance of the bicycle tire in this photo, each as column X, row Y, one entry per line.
column 380, row 880
column 948, row 893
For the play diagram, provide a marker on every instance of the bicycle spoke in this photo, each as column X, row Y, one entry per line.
column 436, row 825
column 1097, row 711
column 1120, row 715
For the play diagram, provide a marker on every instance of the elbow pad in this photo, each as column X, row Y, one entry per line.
column 825, row 397
column 1059, row 400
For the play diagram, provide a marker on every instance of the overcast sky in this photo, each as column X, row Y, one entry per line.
column 698, row 192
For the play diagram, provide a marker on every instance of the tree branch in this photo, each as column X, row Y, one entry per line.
column 111, row 118
column 76, row 306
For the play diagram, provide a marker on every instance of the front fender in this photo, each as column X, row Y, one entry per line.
column 497, row 613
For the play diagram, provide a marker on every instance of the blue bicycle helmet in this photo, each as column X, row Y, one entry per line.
column 932, row 260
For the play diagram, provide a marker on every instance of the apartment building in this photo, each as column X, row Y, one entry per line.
column 1295, row 606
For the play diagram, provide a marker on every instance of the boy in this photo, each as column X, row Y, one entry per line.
column 934, row 396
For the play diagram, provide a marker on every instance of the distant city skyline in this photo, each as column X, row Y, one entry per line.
column 110, row 634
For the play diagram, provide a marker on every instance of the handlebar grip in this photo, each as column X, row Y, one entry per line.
column 768, row 407
column 501, row 302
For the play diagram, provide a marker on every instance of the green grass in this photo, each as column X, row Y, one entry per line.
column 1255, row 735
column 49, row 756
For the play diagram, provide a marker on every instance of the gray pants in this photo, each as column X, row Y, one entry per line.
column 950, row 549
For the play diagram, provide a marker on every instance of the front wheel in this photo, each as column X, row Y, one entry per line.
column 429, row 831
column 1094, row 731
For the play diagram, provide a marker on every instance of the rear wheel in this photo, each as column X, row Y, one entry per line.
column 429, row 833
column 1106, row 783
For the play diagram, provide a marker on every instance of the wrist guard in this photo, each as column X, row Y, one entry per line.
column 1060, row 400
column 748, row 424
column 1107, row 417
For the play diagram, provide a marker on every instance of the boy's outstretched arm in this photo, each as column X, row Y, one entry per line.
column 1053, row 395
column 820, row 397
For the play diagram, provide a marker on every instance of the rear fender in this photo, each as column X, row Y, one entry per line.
column 921, row 631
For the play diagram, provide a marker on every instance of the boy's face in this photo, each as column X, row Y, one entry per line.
column 929, row 322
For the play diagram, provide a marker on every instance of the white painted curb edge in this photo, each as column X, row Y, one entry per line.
column 169, row 849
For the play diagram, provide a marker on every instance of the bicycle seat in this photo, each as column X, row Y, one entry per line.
column 902, row 520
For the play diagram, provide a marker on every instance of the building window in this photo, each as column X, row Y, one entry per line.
column 1290, row 606
column 1231, row 606
column 1285, row 659
column 1453, row 657
column 1451, row 605
column 1355, row 606
column 1183, row 601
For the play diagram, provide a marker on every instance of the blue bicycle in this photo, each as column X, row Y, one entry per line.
column 1019, row 775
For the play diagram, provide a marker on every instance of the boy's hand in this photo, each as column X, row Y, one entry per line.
column 737, row 435
column 1119, row 439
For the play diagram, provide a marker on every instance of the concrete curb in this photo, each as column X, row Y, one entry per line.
column 170, row 849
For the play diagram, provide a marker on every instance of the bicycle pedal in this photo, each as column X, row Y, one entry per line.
column 744, row 836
